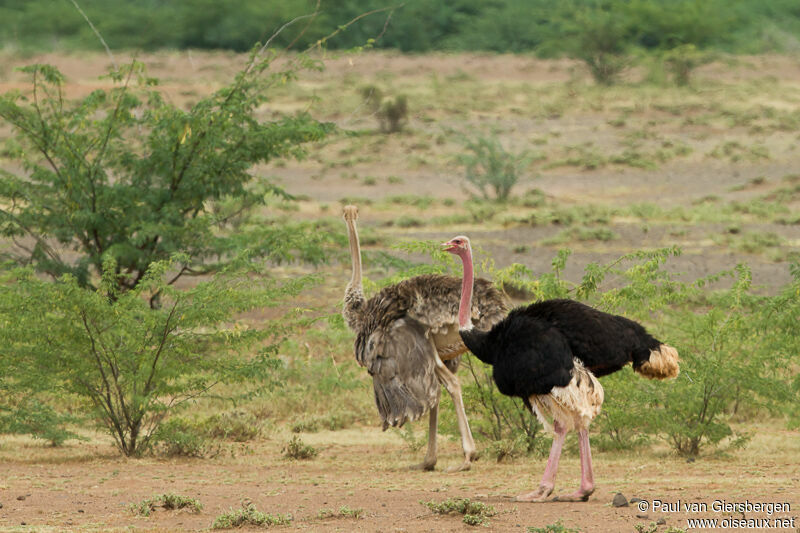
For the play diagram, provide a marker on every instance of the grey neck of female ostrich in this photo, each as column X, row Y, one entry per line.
column 465, row 307
column 355, row 254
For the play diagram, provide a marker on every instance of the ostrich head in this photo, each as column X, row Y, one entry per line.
column 458, row 246
column 350, row 213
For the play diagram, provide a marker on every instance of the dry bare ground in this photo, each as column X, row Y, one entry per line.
column 740, row 122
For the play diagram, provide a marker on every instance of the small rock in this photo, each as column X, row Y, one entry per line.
column 635, row 500
column 619, row 500
column 690, row 460
column 80, row 510
column 661, row 521
column 20, row 498
column 643, row 516
column 1, row 505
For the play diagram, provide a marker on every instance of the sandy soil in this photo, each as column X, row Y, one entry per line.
column 86, row 487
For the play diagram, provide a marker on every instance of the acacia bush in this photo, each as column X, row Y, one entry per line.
column 126, row 174
column 127, row 363
column 121, row 194
column 488, row 166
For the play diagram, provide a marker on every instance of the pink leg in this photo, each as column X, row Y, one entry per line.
column 549, row 477
column 587, row 478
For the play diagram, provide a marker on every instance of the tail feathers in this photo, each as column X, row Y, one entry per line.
column 662, row 364
column 398, row 403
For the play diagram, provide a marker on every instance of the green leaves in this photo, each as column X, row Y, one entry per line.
column 125, row 173
column 122, row 195
column 131, row 363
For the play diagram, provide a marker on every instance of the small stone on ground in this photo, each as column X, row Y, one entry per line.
column 619, row 500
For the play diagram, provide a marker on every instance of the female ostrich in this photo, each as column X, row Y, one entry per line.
column 407, row 337
column 548, row 353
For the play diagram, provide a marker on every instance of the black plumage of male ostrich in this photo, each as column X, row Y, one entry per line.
column 548, row 354
column 407, row 338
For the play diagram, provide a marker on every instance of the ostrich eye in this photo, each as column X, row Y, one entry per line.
column 371, row 345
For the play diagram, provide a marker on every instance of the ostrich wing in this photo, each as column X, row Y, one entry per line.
column 402, row 368
column 436, row 299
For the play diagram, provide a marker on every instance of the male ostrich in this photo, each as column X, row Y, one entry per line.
column 407, row 338
column 549, row 353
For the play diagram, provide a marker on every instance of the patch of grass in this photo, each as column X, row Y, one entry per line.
column 178, row 437
column 567, row 216
column 342, row 512
column 450, row 220
column 422, row 202
column 332, row 421
column 652, row 527
column 297, row 449
column 239, row 426
column 369, row 180
column 735, row 151
column 408, row 221
column 167, row 501
column 248, row 515
column 558, row 527
column 475, row 513
column 355, row 200
column 581, row 233
column 531, row 198
column 395, row 180
column 584, row 156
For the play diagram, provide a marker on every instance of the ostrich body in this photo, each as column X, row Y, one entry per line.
column 549, row 353
column 407, row 337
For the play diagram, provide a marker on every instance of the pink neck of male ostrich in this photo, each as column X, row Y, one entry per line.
column 465, row 307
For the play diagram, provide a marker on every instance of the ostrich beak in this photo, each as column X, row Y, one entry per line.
column 449, row 246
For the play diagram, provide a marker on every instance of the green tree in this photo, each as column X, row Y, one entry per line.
column 124, row 173
column 121, row 194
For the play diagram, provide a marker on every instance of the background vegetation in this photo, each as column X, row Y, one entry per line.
column 547, row 27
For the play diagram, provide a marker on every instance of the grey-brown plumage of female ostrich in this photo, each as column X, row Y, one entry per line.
column 548, row 353
column 407, row 338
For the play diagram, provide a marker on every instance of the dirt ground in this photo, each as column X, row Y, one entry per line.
column 86, row 486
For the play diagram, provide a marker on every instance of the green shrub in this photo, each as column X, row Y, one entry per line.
column 239, row 426
column 490, row 166
column 682, row 60
column 600, row 37
column 342, row 512
column 21, row 414
column 297, row 449
column 167, row 501
column 179, row 438
column 558, row 527
column 391, row 111
column 248, row 515
column 475, row 513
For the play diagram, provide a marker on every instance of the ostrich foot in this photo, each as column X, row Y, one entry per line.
column 463, row 467
column 580, row 495
column 426, row 465
column 538, row 495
